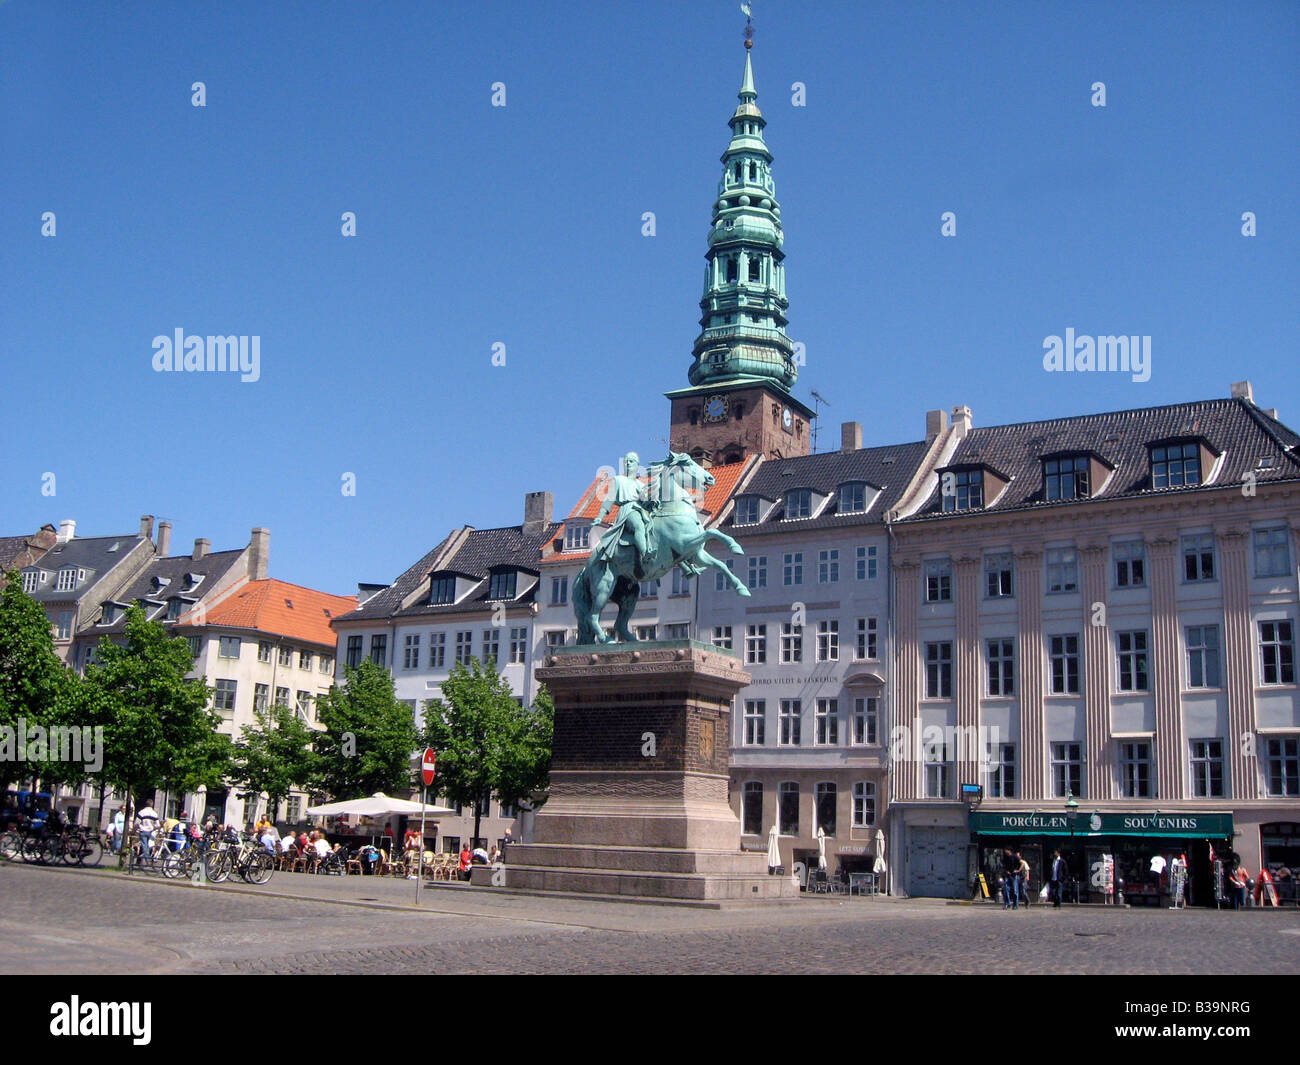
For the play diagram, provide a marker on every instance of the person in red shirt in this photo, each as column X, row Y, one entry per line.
column 465, row 859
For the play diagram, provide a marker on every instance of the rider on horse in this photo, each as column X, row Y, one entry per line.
column 629, row 495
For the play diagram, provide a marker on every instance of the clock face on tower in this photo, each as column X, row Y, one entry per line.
column 715, row 408
column 786, row 419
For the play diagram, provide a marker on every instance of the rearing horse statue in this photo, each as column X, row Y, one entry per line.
column 669, row 524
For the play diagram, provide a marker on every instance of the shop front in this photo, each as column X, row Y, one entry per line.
column 1109, row 854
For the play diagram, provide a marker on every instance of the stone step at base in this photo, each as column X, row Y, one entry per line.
column 657, row 859
column 637, row 884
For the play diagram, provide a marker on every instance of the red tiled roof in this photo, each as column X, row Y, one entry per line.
column 281, row 609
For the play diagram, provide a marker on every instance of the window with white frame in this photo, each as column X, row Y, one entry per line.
column 939, row 774
column 791, row 642
column 938, row 581
column 1277, row 652
column 228, row 647
column 302, row 704
column 828, row 641
column 1062, row 570
column 757, row 571
column 63, row 630
column 1202, row 656
column 559, row 591
column 1135, row 769
column 66, row 580
column 678, row 631
column 491, row 645
column 998, row 576
column 866, row 645
column 865, row 558
column 1272, row 552
column 1207, row 768
column 938, row 670
column 828, row 566
column 681, row 582
column 196, row 645
column 798, row 504
column 864, row 803
column 1134, row 671
column 293, row 809
column 326, row 663
column 577, row 537
column 647, row 632
column 261, row 697
column 999, row 655
column 282, row 698
column 792, row 568
column 286, row 656
column 826, row 722
column 1130, row 564
column 554, row 639
column 464, row 647
column 1198, row 557
column 755, row 644
column 1066, row 478
column 1067, row 769
column 853, row 498
column 720, row 581
column 1282, row 765
column 32, row 580
column 1002, row 773
column 437, row 650
column 722, row 636
column 755, row 722
column 519, row 646
column 304, row 659
column 747, row 510
column 866, row 714
column 789, row 723
column 264, row 650
column 1063, row 656
column 411, row 651
column 223, row 698
column 650, row 589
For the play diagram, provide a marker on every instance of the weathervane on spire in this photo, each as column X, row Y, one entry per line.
column 748, row 12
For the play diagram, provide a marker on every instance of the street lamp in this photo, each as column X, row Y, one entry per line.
column 1071, row 813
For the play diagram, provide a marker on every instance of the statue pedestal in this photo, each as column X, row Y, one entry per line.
column 638, row 793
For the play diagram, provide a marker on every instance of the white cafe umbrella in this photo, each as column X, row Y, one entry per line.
column 376, row 805
column 773, row 848
column 879, row 866
column 821, row 847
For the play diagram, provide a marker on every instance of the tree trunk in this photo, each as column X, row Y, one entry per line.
column 478, row 818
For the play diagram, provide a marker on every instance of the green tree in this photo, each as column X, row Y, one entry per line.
column 368, row 739
column 35, row 687
column 158, row 727
column 487, row 743
column 274, row 755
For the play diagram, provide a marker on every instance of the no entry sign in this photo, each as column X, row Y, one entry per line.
column 428, row 763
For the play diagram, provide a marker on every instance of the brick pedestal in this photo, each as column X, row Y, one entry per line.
column 638, row 794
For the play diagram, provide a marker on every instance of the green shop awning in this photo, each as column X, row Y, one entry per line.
column 1086, row 823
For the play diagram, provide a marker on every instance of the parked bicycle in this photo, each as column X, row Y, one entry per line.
column 244, row 858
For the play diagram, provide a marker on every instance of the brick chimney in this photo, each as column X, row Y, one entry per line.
column 1243, row 390
column 936, row 422
column 201, row 548
column 851, row 436
column 164, row 538
column 961, row 420
column 146, row 526
column 67, row 530
column 259, row 554
column 538, row 508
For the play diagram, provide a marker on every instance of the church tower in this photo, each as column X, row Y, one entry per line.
column 739, row 400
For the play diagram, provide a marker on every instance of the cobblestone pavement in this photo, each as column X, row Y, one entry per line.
column 76, row 921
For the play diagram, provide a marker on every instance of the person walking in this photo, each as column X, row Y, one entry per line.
column 147, row 823
column 1058, row 872
column 1010, row 874
column 1022, row 879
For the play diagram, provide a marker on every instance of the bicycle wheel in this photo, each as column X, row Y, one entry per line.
column 31, row 849
column 175, row 866
column 11, row 846
column 259, row 869
column 219, row 866
column 89, row 851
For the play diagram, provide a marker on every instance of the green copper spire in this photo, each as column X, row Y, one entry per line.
column 742, row 333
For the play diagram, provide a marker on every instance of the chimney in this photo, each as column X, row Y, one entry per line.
column 67, row 530
column 201, row 548
column 259, row 554
column 146, row 526
column 961, row 419
column 1242, row 390
column 851, row 436
column 164, row 538
column 936, row 421
column 538, row 508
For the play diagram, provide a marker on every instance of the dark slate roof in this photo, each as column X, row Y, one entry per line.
column 482, row 551
column 1235, row 428
column 12, row 547
column 212, row 566
column 95, row 554
column 890, row 469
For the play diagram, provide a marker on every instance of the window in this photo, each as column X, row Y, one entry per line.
column 554, row 639
column 67, row 579
column 464, row 647
column 828, row 641
column 63, row 630
column 938, row 670
column 792, row 568
column 379, row 649
column 791, row 642
column 411, row 651
column 789, row 720
column 1174, row 465
column 828, row 566
column 646, row 632
column 650, row 589
column 174, row 608
column 1277, row 648
column 1198, row 557
column 1133, row 664
column 264, row 650
column 491, row 645
column 261, row 696
column 109, row 614
column 437, row 650
column 755, row 722
column 196, row 645
column 354, row 652
column 755, row 644
column 866, row 563
column 865, row 720
column 286, row 654
column 1272, row 556
column 826, row 795
column 1066, row 478
column 1282, row 763
column 962, row 489
column 327, row 663
column 757, row 571
column 798, row 503
column 938, row 581
column 1002, row 776
column 1067, row 769
column 224, row 696
column 519, row 646
column 938, row 772
column 502, row 585
column 577, row 537
column 1063, row 651
column 1062, row 569
column 442, row 590
column 720, row 582
column 228, row 647
column 1202, row 656
column 1207, row 769
column 679, row 631
column 302, row 704
column 32, row 580
column 864, row 804
column 826, row 722
column 747, row 510
column 722, row 636
column 853, row 498
column 304, row 659
column 293, row 809
column 681, row 582
column 865, row 643
column 559, row 590
column 753, row 809
column 998, row 570
column 789, row 807
column 1000, row 656
column 1130, row 564
column 1135, row 770
column 282, row 697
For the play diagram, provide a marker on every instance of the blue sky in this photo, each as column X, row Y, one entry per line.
column 521, row 225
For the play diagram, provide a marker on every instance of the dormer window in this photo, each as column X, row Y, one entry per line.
column 747, row 510
column 962, row 489
column 174, row 608
column 798, row 504
column 442, row 590
column 192, row 581
column 159, row 583
column 33, row 579
column 68, row 578
column 577, row 537
column 1175, row 465
column 109, row 614
column 502, row 585
column 1066, row 478
column 853, row 498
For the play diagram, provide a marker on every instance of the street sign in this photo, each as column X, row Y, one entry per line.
column 428, row 763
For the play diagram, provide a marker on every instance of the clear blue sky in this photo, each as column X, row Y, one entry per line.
column 522, row 225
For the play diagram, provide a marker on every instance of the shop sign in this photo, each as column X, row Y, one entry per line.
column 1199, row 826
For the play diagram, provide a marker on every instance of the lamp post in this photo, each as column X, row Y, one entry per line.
column 1071, row 813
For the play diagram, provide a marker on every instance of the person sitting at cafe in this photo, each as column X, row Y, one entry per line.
column 322, row 845
column 466, row 860
column 289, row 844
column 369, row 855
